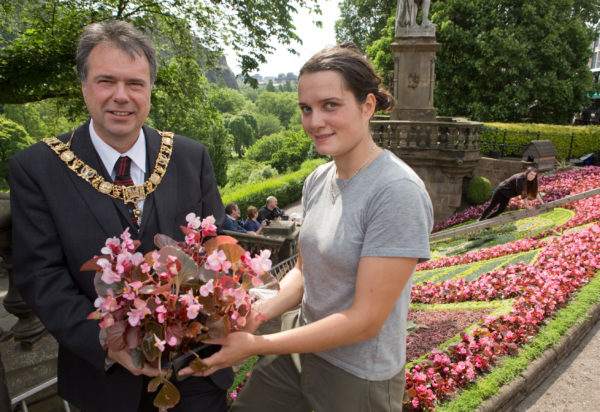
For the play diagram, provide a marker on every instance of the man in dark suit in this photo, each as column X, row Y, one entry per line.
column 64, row 207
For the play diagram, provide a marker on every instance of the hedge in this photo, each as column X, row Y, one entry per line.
column 286, row 188
column 585, row 138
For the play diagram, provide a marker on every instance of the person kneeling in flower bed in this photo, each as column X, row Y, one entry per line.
column 161, row 306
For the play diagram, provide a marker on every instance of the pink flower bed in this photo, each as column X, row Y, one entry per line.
column 555, row 186
column 564, row 265
column 441, row 326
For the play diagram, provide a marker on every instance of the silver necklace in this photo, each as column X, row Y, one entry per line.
column 335, row 189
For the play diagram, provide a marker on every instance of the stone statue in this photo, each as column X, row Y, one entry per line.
column 406, row 14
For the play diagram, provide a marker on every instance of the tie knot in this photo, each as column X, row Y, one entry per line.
column 123, row 171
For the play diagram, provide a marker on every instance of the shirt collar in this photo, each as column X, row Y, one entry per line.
column 109, row 155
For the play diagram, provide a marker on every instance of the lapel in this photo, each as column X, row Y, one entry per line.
column 100, row 205
column 165, row 194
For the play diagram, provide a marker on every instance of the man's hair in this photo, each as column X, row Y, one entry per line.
column 270, row 198
column 230, row 208
column 119, row 34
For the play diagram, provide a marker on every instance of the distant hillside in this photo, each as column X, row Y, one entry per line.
column 222, row 72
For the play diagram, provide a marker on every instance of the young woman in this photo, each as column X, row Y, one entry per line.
column 366, row 221
column 524, row 184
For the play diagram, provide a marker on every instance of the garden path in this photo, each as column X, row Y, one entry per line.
column 574, row 385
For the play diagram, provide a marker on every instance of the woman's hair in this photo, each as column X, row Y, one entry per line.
column 531, row 188
column 251, row 212
column 356, row 70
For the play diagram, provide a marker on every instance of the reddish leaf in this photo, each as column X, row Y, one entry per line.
column 193, row 330
column 218, row 327
column 167, row 397
column 212, row 244
column 92, row 265
column 115, row 336
column 233, row 251
column 133, row 337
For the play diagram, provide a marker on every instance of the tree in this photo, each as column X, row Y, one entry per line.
column 13, row 138
column 186, row 109
column 267, row 124
column 508, row 60
column 271, row 87
column 242, row 132
column 37, row 49
column 361, row 21
column 282, row 104
column 228, row 100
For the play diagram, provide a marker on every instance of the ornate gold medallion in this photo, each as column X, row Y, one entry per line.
column 128, row 194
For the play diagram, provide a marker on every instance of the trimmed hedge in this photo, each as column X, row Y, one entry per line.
column 286, row 188
column 585, row 138
column 479, row 190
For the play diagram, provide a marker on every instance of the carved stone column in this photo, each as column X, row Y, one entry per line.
column 414, row 77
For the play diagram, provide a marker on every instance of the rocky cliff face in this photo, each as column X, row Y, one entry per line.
column 222, row 72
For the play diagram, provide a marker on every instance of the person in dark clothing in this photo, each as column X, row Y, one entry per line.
column 270, row 211
column 232, row 212
column 524, row 184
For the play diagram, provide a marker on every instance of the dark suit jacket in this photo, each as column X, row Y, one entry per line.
column 60, row 221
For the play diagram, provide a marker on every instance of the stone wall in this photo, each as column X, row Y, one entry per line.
column 496, row 170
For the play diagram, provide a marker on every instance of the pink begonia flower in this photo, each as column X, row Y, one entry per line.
column 193, row 310
column 172, row 341
column 207, row 288
column 261, row 263
column 109, row 276
column 137, row 259
column 218, row 262
column 160, row 344
column 190, row 239
column 208, row 226
column 188, row 299
column 193, row 221
column 145, row 268
column 111, row 245
column 161, row 310
column 107, row 322
column 172, row 266
column 240, row 296
column 155, row 256
column 139, row 312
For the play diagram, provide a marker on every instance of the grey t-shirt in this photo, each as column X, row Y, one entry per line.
column 383, row 211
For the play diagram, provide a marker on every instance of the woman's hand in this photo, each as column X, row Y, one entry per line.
column 236, row 347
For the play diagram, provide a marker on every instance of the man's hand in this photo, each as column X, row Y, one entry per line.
column 124, row 359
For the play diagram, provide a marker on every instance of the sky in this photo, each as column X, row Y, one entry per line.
column 313, row 38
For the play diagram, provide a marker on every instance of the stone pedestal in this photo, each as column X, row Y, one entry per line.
column 414, row 76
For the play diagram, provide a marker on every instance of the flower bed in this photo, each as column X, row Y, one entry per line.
column 555, row 186
column 564, row 264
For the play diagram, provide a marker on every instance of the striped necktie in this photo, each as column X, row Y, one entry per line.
column 123, row 178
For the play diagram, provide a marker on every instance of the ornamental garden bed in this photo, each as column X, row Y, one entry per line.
column 482, row 306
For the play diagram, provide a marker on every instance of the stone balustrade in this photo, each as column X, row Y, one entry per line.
column 446, row 133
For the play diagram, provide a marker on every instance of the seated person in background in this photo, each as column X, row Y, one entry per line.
column 270, row 211
column 232, row 214
column 252, row 224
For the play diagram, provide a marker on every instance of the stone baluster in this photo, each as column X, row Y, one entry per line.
column 28, row 329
